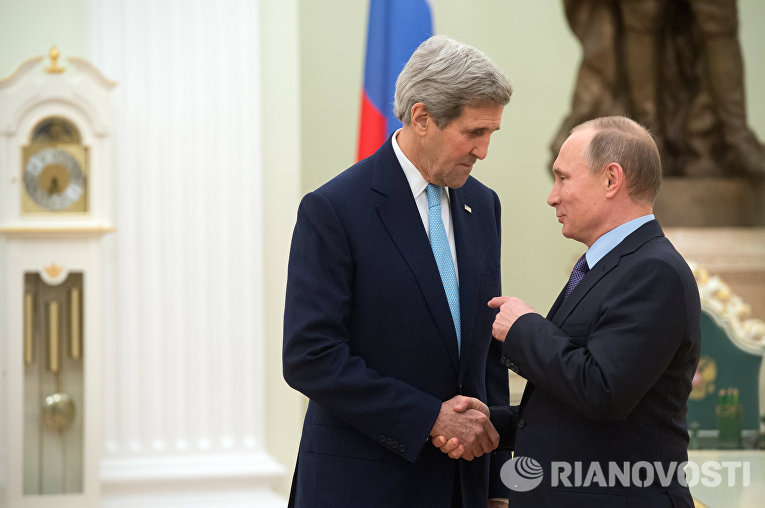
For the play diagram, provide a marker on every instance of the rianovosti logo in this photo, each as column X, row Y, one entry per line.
column 523, row 474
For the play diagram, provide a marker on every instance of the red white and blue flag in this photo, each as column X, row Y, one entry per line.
column 396, row 28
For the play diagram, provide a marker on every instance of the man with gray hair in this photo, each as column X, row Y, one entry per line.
column 386, row 326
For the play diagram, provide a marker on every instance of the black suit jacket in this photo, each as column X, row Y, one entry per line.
column 609, row 373
column 369, row 338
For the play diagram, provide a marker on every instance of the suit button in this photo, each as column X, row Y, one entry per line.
column 521, row 423
column 460, row 388
column 401, row 448
column 380, row 438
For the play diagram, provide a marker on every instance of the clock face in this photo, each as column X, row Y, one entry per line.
column 54, row 179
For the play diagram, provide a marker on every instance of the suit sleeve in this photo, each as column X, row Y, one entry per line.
column 498, row 391
column 603, row 369
column 317, row 357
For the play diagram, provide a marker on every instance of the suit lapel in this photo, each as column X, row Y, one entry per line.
column 467, row 243
column 556, row 305
column 590, row 279
column 610, row 261
column 401, row 218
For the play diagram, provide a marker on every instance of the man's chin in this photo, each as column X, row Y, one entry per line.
column 457, row 183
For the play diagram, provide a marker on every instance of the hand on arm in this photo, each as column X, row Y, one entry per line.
column 463, row 429
column 510, row 309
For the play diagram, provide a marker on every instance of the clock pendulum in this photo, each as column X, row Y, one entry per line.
column 53, row 375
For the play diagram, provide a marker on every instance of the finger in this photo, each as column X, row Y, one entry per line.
column 479, row 406
column 451, row 445
column 438, row 441
column 463, row 404
column 483, row 445
column 499, row 331
column 488, row 439
column 494, row 436
column 497, row 301
column 492, row 439
column 457, row 452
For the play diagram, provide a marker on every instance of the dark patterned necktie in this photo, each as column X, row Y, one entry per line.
column 577, row 274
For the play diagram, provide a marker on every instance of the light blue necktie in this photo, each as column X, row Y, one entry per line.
column 440, row 245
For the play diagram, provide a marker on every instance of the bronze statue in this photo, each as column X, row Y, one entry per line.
column 676, row 67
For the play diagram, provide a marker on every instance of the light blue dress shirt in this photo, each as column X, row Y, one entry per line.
column 608, row 241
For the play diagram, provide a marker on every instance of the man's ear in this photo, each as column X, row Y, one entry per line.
column 420, row 118
column 613, row 178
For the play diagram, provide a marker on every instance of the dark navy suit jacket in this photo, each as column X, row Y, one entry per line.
column 369, row 339
column 609, row 373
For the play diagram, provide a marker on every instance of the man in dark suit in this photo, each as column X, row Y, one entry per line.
column 609, row 371
column 386, row 326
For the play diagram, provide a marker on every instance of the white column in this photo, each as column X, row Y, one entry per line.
column 184, row 373
column 280, row 64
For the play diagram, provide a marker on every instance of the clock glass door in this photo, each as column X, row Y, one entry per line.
column 53, row 385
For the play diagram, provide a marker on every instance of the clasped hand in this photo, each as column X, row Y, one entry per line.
column 463, row 429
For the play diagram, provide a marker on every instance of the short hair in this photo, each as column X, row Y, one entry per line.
column 626, row 142
column 446, row 75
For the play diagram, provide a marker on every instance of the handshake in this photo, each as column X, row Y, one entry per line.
column 463, row 429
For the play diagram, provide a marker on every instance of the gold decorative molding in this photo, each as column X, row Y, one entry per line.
column 56, row 231
column 704, row 380
column 698, row 504
column 29, row 325
column 54, row 67
column 729, row 311
column 53, row 270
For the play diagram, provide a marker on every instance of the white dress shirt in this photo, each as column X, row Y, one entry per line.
column 419, row 186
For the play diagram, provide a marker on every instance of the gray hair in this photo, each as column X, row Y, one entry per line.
column 446, row 75
column 626, row 142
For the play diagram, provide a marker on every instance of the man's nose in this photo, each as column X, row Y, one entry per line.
column 481, row 150
column 553, row 197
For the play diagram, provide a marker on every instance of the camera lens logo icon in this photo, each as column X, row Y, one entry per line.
column 521, row 474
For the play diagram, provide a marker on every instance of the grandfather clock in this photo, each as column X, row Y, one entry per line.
column 56, row 211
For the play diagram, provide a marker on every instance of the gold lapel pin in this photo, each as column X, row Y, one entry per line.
column 468, row 209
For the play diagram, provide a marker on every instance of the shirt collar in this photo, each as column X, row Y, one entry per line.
column 417, row 183
column 608, row 241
